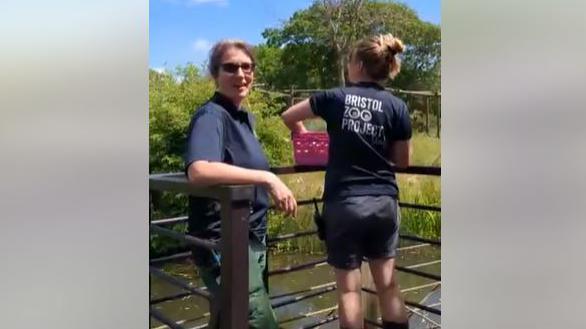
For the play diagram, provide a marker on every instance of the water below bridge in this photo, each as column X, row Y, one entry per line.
column 190, row 310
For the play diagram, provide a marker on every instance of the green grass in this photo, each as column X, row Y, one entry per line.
column 426, row 150
column 417, row 189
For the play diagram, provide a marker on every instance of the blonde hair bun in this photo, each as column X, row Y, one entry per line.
column 392, row 44
column 378, row 55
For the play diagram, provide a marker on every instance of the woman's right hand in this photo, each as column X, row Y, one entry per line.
column 281, row 194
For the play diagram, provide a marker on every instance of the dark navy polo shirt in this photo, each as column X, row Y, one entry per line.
column 362, row 121
column 223, row 133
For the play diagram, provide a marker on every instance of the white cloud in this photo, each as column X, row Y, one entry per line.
column 158, row 69
column 202, row 45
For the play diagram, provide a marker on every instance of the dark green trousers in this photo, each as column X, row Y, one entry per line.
column 260, row 312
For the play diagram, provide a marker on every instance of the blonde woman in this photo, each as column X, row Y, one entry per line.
column 369, row 129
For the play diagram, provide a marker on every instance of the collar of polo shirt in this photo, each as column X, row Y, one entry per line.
column 226, row 103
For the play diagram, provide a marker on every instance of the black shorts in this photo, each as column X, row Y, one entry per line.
column 361, row 226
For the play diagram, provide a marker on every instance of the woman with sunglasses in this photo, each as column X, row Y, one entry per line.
column 222, row 149
column 368, row 128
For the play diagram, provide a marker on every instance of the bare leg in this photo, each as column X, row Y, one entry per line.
column 349, row 307
column 391, row 303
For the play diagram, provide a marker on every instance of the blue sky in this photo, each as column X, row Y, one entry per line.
column 182, row 31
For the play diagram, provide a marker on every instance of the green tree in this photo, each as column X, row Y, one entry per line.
column 311, row 48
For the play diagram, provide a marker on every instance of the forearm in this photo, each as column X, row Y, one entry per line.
column 296, row 127
column 400, row 154
column 294, row 116
column 216, row 173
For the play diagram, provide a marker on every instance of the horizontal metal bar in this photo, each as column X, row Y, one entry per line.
column 291, row 236
column 183, row 219
column 296, row 299
column 296, row 169
column 169, row 298
column 271, row 92
column 174, row 220
column 185, row 238
column 313, row 288
column 180, row 255
column 417, row 305
column 201, row 326
column 417, row 246
column 178, row 183
column 414, row 170
column 419, row 239
column 401, row 204
column 187, row 254
column 420, row 170
column 424, row 264
column 415, row 92
column 419, row 273
column 177, row 282
column 328, row 284
column 309, row 314
column 163, row 319
column 309, row 201
column 423, row 307
column 324, row 288
column 324, row 261
column 298, row 267
column 419, row 206
column 333, row 283
column 182, row 322
column 321, row 322
column 393, row 90
column 423, row 286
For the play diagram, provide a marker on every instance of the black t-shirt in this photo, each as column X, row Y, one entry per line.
column 221, row 132
column 362, row 121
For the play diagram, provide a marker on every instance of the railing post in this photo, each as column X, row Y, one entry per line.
column 291, row 95
column 438, row 115
column 234, row 269
column 427, row 101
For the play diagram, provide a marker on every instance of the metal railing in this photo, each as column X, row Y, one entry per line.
column 234, row 201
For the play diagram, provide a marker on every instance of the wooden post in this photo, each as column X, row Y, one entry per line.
column 427, row 101
column 438, row 114
column 234, row 269
column 369, row 301
column 291, row 95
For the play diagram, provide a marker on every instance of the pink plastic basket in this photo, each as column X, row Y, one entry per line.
column 311, row 148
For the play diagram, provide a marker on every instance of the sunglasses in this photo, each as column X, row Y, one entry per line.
column 233, row 67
